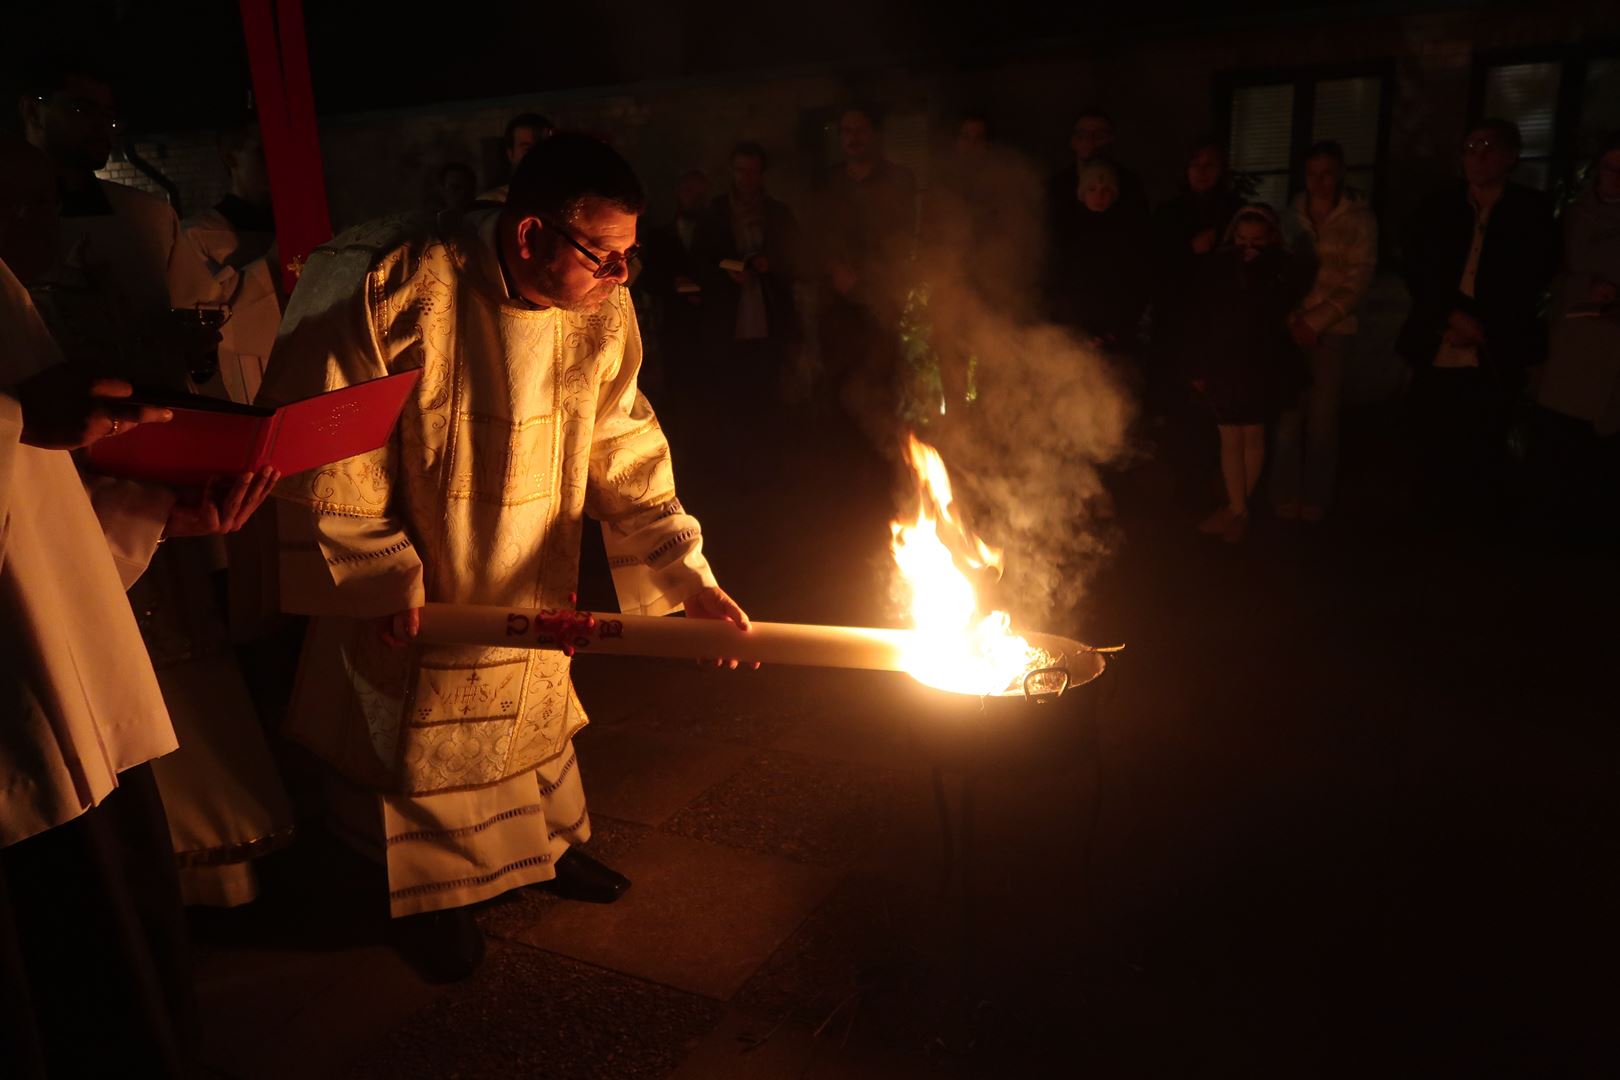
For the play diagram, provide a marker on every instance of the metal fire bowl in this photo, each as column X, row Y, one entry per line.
column 1041, row 728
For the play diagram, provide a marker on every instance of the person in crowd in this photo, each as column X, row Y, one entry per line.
column 1576, row 445
column 1101, row 264
column 455, row 188
column 123, row 268
column 1248, row 365
column 671, row 300
column 1187, row 229
column 236, row 242
column 523, row 132
column 94, row 976
column 1331, row 227
column 1092, row 141
column 969, row 251
column 1478, row 257
column 122, row 272
column 455, row 766
column 864, row 228
column 747, row 250
column 225, row 801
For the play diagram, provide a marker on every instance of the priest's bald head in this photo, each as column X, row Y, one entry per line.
column 568, row 230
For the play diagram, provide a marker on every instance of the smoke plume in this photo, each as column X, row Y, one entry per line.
column 1048, row 413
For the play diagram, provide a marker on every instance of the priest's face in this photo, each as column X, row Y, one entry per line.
column 74, row 125
column 557, row 262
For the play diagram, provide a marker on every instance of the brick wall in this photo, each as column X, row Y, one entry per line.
column 189, row 160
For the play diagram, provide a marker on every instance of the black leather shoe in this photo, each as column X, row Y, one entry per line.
column 580, row 877
column 443, row 946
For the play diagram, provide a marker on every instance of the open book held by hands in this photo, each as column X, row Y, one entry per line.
column 209, row 437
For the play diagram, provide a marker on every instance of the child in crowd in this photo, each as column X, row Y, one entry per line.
column 1247, row 365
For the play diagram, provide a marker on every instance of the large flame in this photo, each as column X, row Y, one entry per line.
column 958, row 647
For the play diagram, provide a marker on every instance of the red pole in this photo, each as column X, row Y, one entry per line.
column 279, row 61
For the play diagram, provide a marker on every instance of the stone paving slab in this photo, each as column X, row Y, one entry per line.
column 810, row 810
column 647, row 778
column 275, row 1014
column 699, row 917
column 750, row 1046
column 668, row 697
column 516, row 910
column 856, row 716
column 531, row 1013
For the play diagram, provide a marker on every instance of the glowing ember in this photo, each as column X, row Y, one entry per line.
column 958, row 647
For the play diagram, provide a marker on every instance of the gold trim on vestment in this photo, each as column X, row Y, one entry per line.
column 568, row 767
column 465, row 830
column 515, row 425
column 482, row 879
column 439, row 665
column 463, row 720
column 362, row 556
column 554, row 833
column 322, row 506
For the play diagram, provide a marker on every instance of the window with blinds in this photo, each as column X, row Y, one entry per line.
column 1600, row 106
column 1527, row 95
column 1348, row 112
column 1273, row 124
column 1261, row 139
column 1565, row 99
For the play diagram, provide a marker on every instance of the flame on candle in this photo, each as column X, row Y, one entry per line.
column 958, row 646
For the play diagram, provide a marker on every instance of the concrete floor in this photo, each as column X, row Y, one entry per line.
column 1346, row 806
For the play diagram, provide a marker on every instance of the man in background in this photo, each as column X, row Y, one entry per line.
column 523, row 131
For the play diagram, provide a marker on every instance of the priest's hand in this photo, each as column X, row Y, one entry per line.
column 64, row 409
column 221, row 509
column 713, row 603
column 399, row 629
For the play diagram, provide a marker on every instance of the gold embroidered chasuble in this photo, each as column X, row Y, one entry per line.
column 523, row 421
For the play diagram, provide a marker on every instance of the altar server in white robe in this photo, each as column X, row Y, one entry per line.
column 94, row 977
column 122, row 269
column 458, row 763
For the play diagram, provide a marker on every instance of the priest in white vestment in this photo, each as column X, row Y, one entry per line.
column 459, row 761
column 93, row 968
column 87, row 881
column 122, row 268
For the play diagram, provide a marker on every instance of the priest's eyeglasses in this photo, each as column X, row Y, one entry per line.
column 81, row 106
column 605, row 267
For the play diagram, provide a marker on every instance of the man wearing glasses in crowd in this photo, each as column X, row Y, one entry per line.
column 1478, row 256
column 453, row 766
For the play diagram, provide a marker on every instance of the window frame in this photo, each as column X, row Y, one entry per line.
column 1304, row 80
column 1574, row 61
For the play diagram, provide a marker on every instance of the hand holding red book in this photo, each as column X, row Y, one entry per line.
column 210, row 438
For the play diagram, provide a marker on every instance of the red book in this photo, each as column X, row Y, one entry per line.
column 209, row 437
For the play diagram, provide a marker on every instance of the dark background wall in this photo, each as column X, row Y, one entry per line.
column 675, row 86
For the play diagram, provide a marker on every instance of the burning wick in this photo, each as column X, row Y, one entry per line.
column 958, row 647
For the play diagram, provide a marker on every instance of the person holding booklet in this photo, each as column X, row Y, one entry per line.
column 455, row 766
column 124, row 295
column 94, row 974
